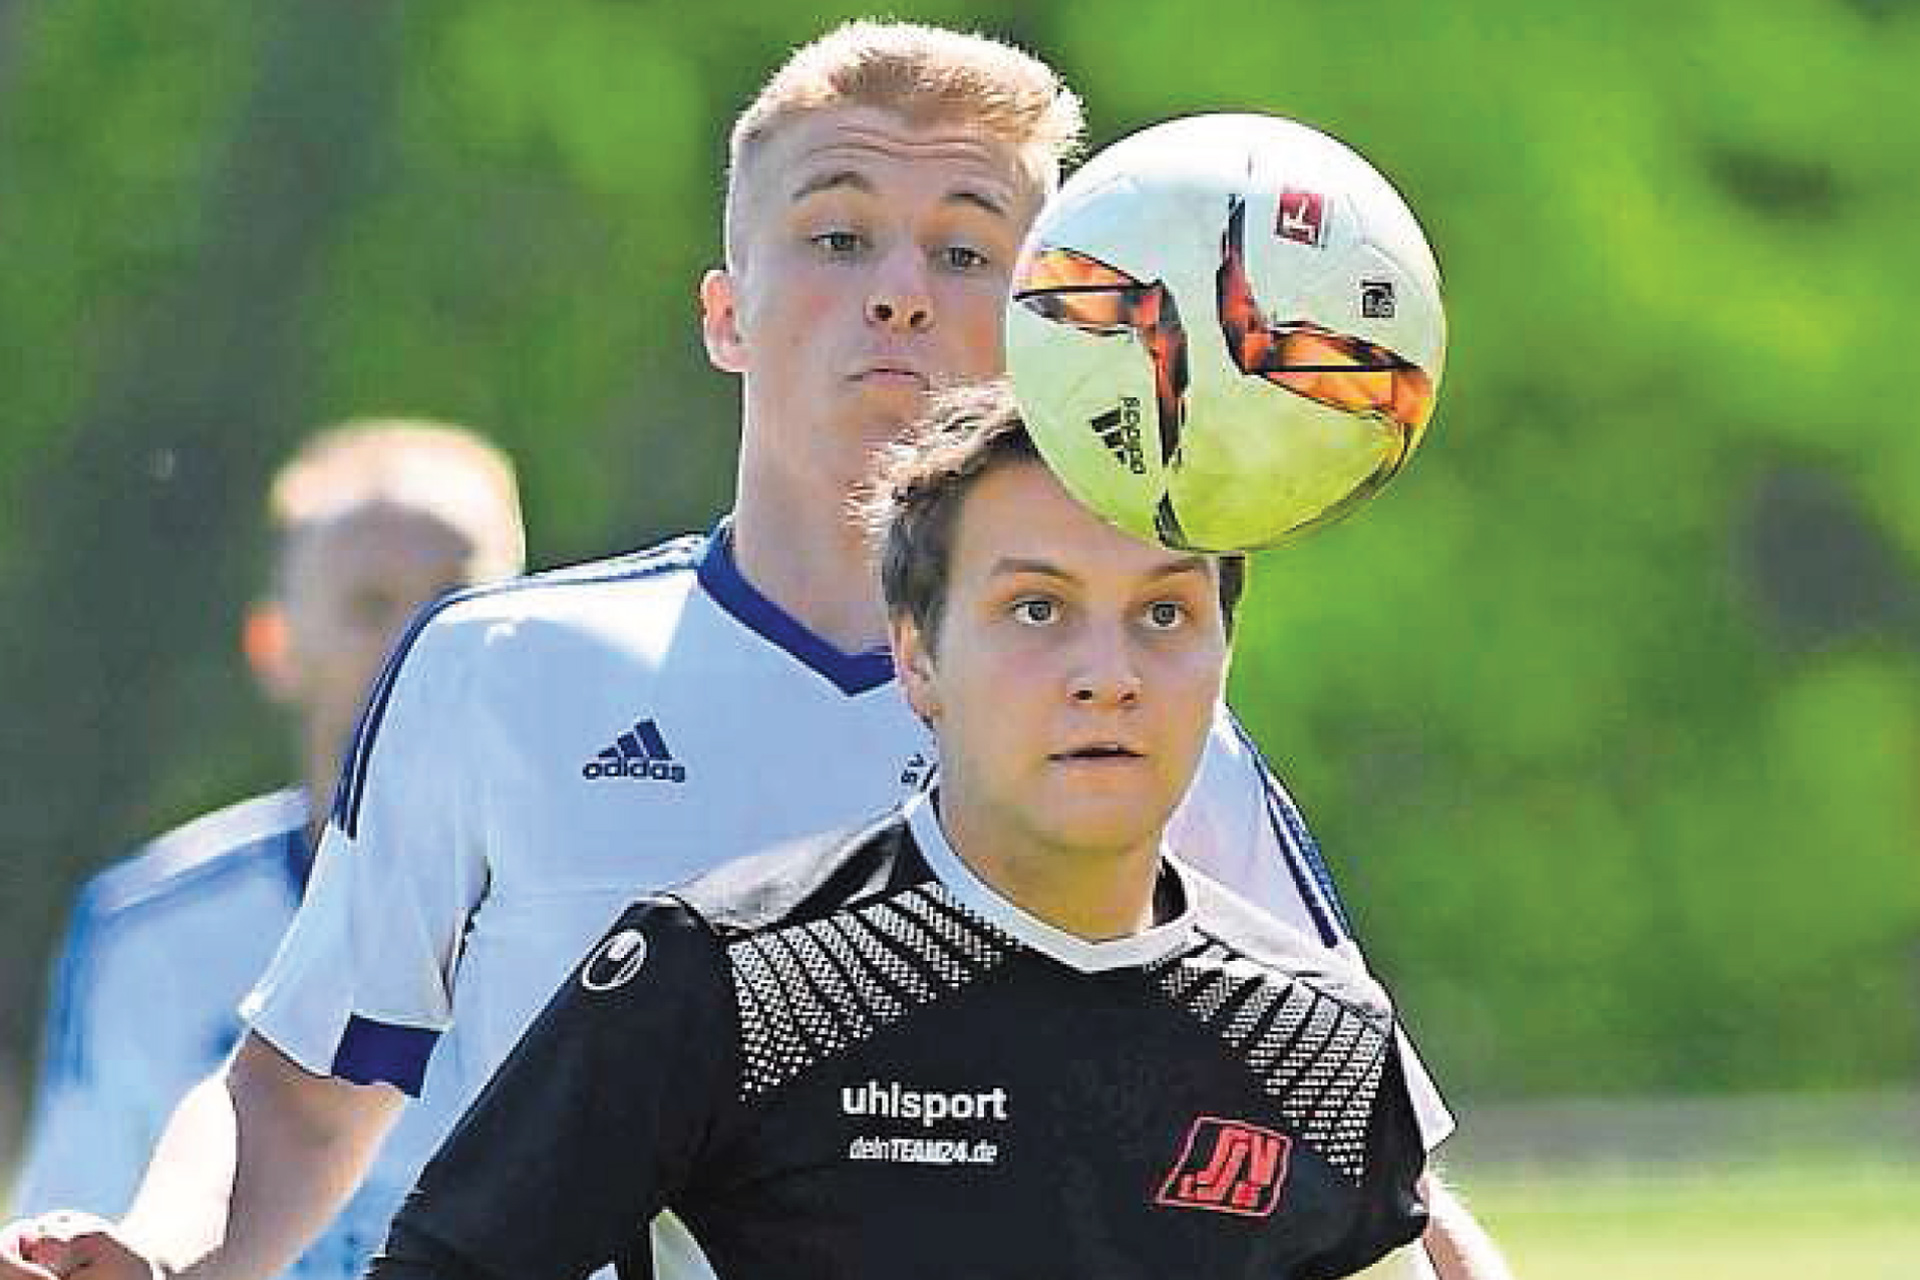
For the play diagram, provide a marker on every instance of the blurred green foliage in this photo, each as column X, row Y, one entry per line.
column 1607, row 714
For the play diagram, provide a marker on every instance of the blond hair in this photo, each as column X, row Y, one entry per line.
column 442, row 470
column 925, row 75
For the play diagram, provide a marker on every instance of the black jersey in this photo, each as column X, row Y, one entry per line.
column 856, row 1060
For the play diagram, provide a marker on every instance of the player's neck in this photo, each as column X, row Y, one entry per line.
column 805, row 555
column 1096, row 895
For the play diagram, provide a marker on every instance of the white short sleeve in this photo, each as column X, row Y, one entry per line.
column 361, row 987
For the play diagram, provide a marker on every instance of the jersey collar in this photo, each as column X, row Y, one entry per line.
column 1139, row 950
column 851, row 673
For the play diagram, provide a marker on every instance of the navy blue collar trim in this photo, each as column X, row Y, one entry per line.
column 851, row 673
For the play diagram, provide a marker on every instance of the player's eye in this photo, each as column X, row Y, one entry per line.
column 839, row 243
column 1035, row 611
column 1165, row 615
column 961, row 257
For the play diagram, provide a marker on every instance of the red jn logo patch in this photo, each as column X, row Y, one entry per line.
column 1228, row 1166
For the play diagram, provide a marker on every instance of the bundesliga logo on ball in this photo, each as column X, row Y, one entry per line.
column 1226, row 330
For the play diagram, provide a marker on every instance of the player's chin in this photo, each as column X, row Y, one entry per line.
column 880, row 418
column 1118, row 775
column 1107, row 810
column 899, row 395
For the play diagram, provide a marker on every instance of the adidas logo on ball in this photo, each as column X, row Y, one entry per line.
column 1119, row 430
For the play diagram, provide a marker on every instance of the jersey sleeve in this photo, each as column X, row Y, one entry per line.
column 1239, row 825
column 362, row 985
column 1389, row 1211
column 596, row 1121
column 94, row 1117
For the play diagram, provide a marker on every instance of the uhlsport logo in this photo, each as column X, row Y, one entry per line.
column 639, row 753
column 891, row 1101
column 615, row 961
column 948, row 1121
column 1228, row 1166
column 1119, row 430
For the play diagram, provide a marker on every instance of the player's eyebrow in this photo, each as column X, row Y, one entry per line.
column 981, row 199
column 1011, row 565
column 1184, row 564
column 854, row 180
column 830, row 179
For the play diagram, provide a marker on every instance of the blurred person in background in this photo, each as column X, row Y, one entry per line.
column 535, row 756
column 370, row 520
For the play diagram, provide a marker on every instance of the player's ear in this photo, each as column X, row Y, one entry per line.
column 720, row 322
column 914, row 665
column 268, row 645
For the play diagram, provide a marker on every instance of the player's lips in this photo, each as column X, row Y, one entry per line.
column 884, row 372
column 1097, row 752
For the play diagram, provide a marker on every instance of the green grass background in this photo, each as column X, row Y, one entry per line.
column 1855, row 1219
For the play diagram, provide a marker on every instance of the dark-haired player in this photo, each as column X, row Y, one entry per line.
column 1004, row 1031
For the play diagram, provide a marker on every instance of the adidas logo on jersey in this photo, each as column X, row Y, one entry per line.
column 639, row 753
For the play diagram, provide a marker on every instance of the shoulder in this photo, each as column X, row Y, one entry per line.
column 624, row 609
column 199, row 859
column 1315, row 1031
column 1254, row 940
column 508, row 644
column 791, row 883
column 494, row 616
column 159, row 907
column 663, row 566
column 804, row 879
column 567, row 594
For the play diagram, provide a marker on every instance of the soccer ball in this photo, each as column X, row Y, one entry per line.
column 1224, row 331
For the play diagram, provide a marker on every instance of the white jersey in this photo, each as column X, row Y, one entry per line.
column 540, row 752
column 160, row 949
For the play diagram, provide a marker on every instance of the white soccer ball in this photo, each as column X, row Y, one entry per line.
column 1226, row 330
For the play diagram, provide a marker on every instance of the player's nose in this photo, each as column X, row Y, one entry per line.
column 1104, row 673
column 899, row 297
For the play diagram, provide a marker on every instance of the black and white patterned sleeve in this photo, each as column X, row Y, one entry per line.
column 1388, row 1210
column 592, row 1125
